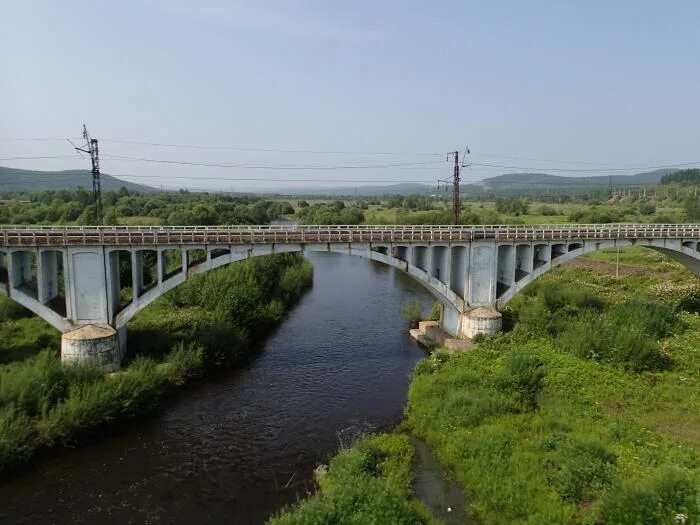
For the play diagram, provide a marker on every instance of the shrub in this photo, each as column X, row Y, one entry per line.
column 185, row 361
column 17, row 437
column 522, row 375
column 669, row 497
column 435, row 311
column 411, row 310
column 35, row 385
column 580, row 468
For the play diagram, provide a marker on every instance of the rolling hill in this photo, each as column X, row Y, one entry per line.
column 14, row 179
column 501, row 185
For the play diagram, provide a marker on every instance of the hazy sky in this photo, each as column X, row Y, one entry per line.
column 613, row 82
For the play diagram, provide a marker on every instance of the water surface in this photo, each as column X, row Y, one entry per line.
column 238, row 447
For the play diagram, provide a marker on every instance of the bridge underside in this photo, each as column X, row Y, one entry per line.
column 105, row 286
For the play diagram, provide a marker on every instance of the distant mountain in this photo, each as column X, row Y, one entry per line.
column 14, row 179
column 501, row 185
column 524, row 180
column 362, row 191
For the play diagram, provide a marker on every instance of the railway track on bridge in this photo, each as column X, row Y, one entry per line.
column 281, row 234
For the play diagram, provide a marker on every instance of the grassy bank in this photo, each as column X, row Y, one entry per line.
column 211, row 321
column 586, row 410
column 367, row 484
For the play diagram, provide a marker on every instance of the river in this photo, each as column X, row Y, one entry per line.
column 240, row 446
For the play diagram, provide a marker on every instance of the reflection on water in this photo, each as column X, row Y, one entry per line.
column 236, row 448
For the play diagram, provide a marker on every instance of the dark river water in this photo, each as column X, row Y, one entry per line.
column 239, row 447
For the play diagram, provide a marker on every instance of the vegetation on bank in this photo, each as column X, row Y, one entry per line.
column 209, row 322
column 368, row 484
column 586, row 410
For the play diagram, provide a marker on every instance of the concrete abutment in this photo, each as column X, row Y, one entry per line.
column 93, row 344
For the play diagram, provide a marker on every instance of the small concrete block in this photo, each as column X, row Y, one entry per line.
column 425, row 325
column 458, row 345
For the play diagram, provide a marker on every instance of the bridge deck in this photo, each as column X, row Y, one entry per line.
column 282, row 234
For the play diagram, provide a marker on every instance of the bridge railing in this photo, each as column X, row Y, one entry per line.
column 13, row 235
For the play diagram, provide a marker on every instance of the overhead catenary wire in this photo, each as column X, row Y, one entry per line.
column 611, row 166
column 268, row 166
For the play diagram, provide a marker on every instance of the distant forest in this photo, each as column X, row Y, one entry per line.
column 691, row 176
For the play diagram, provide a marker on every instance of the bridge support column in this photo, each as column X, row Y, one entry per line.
column 96, row 344
column 482, row 320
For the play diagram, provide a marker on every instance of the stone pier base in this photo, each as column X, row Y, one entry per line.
column 96, row 344
column 482, row 320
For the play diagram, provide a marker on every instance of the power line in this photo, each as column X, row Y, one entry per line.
column 42, row 157
column 268, row 166
column 579, row 170
column 549, row 160
column 583, row 181
column 269, row 150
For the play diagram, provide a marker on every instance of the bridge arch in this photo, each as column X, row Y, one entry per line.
column 434, row 277
column 685, row 252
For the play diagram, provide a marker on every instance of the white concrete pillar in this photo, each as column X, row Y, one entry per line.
column 87, row 285
column 160, row 265
column 446, row 270
column 47, row 276
column 136, row 274
column 458, row 269
column 506, row 266
column 482, row 274
column 542, row 254
column 20, row 268
column 184, row 261
column 523, row 260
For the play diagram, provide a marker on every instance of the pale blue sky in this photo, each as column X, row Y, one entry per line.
column 599, row 81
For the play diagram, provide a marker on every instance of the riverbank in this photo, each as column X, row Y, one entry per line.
column 210, row 322
column 587, row 410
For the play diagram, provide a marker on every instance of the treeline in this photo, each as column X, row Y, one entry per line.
column 75, row 206
column 211, row 321
column 334, row 213
column 691, row 176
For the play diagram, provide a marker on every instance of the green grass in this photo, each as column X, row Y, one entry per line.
column 21, row 334
column 367, row 484
column 603, row 442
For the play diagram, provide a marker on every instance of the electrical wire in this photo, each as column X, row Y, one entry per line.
column 266, row 166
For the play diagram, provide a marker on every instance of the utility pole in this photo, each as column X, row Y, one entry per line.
column 456, row 204
column 92, row 149
column 455, row 189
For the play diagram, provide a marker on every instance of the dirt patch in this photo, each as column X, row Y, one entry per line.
column 607, row 267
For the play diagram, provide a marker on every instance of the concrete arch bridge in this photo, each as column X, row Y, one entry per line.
column 73, row 276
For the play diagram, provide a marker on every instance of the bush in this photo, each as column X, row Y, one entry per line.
column 624, row 333
column 35, row 385
column 185, row 361
column 670, row 497
column 522, row 375
column 17, row 437
column 435, row 311
column 580, row 468
column 412, row 311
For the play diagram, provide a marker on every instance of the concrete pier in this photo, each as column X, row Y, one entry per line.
column 480, row 321
column 95, row 344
